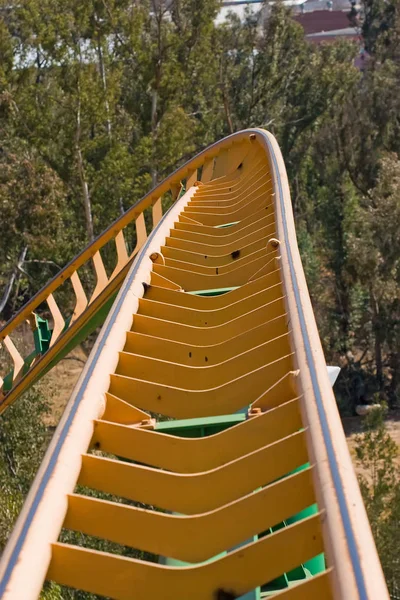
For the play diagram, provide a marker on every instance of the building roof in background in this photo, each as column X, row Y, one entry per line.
column 321, row 21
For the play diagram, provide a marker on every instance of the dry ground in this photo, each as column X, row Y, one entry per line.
column 59, row 383
column 353, row 425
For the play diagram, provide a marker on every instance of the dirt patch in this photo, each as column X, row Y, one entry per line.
column 354, row 425
column 59, row 383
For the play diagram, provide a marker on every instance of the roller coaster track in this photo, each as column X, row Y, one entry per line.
column 202, row 444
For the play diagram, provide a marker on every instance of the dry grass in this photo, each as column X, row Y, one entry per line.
column 59, row 383
column 353, row 426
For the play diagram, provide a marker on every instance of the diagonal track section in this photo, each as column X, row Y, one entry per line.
column 194, row 434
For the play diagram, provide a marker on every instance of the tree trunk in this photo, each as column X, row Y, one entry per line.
column 154, row 101
column 14, row 277
column 394, row 363
column 225, row 99
column 104, row 84
column 340, row 267
column 86, row 196
column 81, row 169
column 227, row 110
column 103, row 76
column 376, row 327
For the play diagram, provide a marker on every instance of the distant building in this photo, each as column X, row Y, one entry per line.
column 327, row 25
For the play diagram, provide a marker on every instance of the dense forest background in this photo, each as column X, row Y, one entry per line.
column 99, row 100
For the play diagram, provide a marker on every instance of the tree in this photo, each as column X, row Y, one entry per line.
column 376, row 452
column 23, row 440
column 380, row 25
column 375, row 255
column 34, row 209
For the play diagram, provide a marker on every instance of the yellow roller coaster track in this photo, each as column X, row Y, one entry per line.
column 204, row 419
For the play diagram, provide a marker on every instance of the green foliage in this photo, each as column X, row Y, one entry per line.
column 376, row 451
column 380, row 487
column 34, row 210
column 23, row 440
column 380, row 26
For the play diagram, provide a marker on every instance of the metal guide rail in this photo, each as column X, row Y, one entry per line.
column 202, row 444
